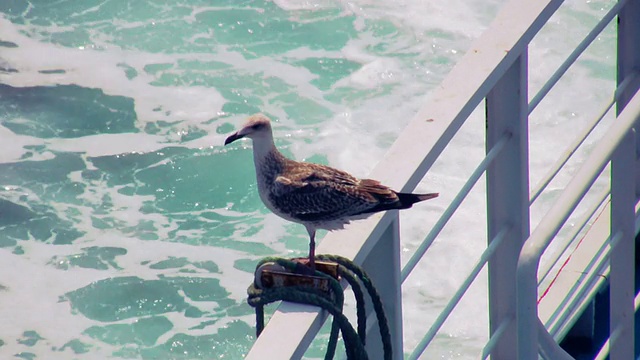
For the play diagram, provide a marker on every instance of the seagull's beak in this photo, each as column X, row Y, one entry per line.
column 233, row 137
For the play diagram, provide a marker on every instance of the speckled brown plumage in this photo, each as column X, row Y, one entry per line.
column 317, row 196
column 320, row 194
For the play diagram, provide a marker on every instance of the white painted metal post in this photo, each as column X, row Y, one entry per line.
column 622, row 263
column 507, row 198
column 624, row 191
column 629, row 61
column 383, row 267
column 628, row 49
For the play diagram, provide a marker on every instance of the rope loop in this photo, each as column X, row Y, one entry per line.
column 331, row 301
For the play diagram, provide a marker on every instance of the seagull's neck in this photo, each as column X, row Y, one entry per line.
column 262, row 147
column 265, row 151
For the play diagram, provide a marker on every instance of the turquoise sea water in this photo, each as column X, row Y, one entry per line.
column 128, row 231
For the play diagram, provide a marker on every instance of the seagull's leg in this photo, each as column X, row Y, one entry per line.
column 312, row 247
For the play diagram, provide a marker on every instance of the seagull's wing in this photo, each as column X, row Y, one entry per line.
column 312, row 192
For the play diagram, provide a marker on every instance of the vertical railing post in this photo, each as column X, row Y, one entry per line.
column 621, row 279
column 629, row 61
column 625, row 189
column 383, row 267
column 628, row 50
column 507, row 198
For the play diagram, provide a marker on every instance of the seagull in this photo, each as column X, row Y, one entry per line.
column 314, row 195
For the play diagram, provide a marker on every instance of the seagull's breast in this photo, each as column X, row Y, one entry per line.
column 268, row 169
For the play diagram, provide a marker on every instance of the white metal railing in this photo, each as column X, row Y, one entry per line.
column 618, row 146
column 494, row 70
column 562, row 69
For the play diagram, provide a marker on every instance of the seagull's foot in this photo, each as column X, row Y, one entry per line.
column 302, row 269
column 305, row 267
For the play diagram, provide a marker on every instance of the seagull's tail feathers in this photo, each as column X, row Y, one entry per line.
column 406, row 200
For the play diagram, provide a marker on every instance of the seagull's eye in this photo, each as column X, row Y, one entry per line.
column 256, row 126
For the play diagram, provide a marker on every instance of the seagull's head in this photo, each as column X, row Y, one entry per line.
column 256, row 127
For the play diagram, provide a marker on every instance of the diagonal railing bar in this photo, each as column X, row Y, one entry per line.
column 571, row 149
column 590, row 212
column 541, row 237
column 604, row 350
column 453, row 206
column 579, row 185
column 495, row 337
column 444, row 314
column 595, row 270
column 575, row 54
column 548, row 347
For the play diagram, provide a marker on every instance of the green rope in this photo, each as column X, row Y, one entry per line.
column 332, row 302
column 311, row 296
column 293, row 267
column 376, row 301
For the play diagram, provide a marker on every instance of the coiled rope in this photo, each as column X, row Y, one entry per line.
column 331, row 301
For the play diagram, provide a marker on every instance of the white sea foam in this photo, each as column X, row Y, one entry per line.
column 36, row 286
column 304, row 5
column 13, row 145
column 101, row 68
